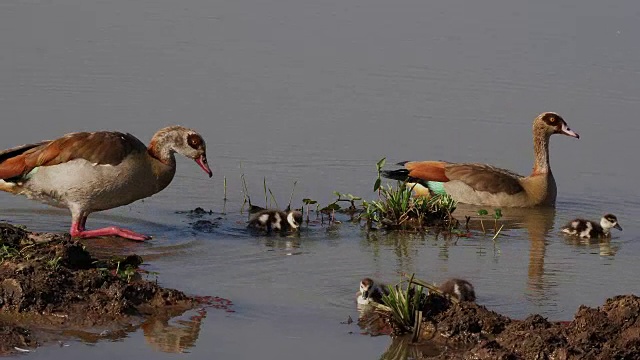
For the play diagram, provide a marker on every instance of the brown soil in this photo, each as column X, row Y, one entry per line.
column 470, row 331
column 50, row 286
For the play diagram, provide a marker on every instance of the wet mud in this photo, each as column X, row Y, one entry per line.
column 471, row 331
column 52, row 289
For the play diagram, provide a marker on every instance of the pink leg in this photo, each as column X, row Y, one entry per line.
column 78, row 230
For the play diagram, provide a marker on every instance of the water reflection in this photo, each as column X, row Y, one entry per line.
column 290, row 243
column 602, row 247
column 403, row 245
column 537, row 223
column 163, row 332
column 173, row 336
column 401, row 348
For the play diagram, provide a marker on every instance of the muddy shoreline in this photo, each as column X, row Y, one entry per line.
column 52, row 289
column 471, row 331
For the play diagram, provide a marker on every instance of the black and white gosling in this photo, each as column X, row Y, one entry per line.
column 270, row 220
column 459, row 289
column 371, row 291
column 590, row 229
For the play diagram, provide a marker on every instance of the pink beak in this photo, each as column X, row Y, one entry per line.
column 202, row 161
column 566, row 131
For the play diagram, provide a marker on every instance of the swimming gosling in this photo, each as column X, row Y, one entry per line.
column 270, row 220
column 459, row 289
column 590, row 229
column 371, row 291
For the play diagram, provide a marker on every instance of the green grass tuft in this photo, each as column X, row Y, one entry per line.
column 398, row 209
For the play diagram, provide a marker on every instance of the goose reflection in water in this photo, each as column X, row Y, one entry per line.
column 538, row 225
column 173, row 336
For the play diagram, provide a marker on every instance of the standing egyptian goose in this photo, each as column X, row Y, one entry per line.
column 481, row 184
column 590, row 229
column 93, row 171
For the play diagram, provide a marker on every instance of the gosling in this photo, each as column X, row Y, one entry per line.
column 459, row 289
column 270, row 220
column 370, row 291
column 590, row 229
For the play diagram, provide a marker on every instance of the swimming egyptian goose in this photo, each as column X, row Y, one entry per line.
column 371, row 291
column 459, row 289
column 591, row 229
column 269, row 220
column 481, row 184
column 93, row 171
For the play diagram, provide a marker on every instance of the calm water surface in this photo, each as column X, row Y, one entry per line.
column 316, row 92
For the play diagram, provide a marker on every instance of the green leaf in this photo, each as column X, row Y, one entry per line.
column 376, row 186
column 482, row 212
column 381, row 163
column 331, row 207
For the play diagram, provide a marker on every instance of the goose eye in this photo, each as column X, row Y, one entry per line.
column 194, row 140
column 552, row 120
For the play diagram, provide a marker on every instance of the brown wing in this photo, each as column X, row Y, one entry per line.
column 427, row 170
column 15, row 151
column 12, row 162
column 101, row 147
column 484, row 177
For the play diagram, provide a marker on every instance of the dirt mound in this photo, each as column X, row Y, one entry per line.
column 611, row 331
column 470, row 331
column 51, row 282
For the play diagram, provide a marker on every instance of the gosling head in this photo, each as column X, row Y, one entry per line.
column 366, row 285
column 294, row 218
column 609, row 221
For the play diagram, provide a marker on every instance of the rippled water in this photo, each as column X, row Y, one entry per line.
column 317, row 92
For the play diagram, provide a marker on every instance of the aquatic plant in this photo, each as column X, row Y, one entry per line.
column 379, row 166
column 405, row 303
column 351, row 199
column 269, row 198
column 481, row 213
column 398, row 209
column 308, row 202
column 395, row 209
column 497, row 215
column 331, row 211
column 245, row 191
column 225, row 188
column 293, row 189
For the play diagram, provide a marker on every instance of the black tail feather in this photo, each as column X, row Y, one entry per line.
column 400, row 174
column 18, row 150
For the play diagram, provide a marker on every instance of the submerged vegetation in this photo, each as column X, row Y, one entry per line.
column 395, row 209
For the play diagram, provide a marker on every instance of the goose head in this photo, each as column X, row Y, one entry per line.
column 181, row 140
column 551, row 123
